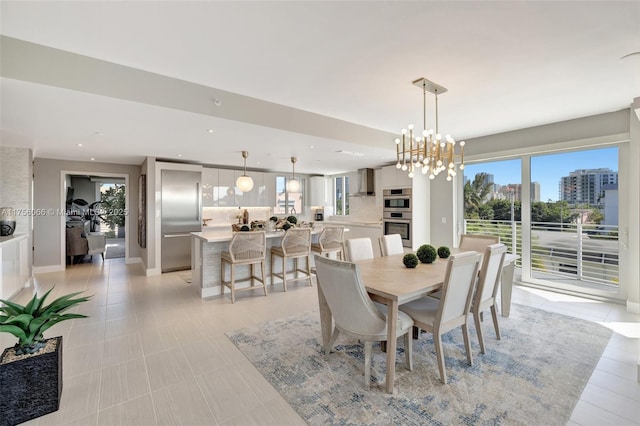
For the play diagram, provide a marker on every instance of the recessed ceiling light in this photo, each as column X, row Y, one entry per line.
column 179, row 155
column 210, row 130
column 311, row 146
column 99, row 133
column 80, row 145
column 217, row 102
column 93, row 159
column 257, row 162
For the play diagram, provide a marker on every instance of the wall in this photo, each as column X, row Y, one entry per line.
column 83, row 188
column 48, row 193
column 15, row 187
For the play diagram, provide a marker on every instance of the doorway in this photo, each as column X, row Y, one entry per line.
column 95, row 220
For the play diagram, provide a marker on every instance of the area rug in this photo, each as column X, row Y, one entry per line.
column 534, row 375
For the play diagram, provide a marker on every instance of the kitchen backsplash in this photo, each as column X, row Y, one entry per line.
column 228, row 215
column 364, row 209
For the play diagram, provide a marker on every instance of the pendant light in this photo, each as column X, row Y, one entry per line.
column 244, row 183
column 293, row 185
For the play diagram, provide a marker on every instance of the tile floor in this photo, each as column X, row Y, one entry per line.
column 154, row 353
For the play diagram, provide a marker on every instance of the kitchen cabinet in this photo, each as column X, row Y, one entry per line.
column 366, row 231
column 209, row 183
column 225, row 192
column 395, row 178
column 317, row 191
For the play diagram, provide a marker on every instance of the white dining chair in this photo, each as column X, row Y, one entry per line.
column 477, row 242
column 452, row 310
column 359, row 249
column 487, row 288
column 354, row 312
column 391, row 244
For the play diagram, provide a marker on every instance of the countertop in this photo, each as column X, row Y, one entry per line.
column 220, row 236
column 370, row 224
column 11, row 239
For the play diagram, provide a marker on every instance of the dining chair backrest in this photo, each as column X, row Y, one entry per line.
column 359, row 249
column 331, row 238
column 391, row 244
column 296, row 241
column 490, row 272
column 347, row 297
column 477, row 242
column 248, row 245
column 460, row 278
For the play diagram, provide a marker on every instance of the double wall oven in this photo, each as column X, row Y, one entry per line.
column 396, row 213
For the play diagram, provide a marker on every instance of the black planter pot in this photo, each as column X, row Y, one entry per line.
column 31, row 387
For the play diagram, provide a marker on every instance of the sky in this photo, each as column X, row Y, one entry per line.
column 547, row 169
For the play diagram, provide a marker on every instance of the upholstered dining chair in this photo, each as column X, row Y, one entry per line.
column 296, row 244
column 245, row 248
column 391, row 244
column 330, row 240
column 452, row 310
column 487, row 288
column 354, row 312
column 477, row 242
column 359, row 249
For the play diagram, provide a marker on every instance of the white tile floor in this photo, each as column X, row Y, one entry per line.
column 154, row 353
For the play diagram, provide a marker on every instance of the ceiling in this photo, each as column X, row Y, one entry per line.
column 280, row 77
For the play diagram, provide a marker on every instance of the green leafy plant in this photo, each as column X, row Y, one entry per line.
column 292, row 219
column 28, row 323
column 427, row 253
column 273, row 218
column 444, row 252
column 410, row 260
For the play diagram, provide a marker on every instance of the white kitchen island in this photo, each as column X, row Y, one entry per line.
column 206, row 248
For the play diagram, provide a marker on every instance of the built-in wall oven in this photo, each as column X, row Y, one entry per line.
column 396, row 213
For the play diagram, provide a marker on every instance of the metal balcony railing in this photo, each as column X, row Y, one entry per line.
column 583, row 252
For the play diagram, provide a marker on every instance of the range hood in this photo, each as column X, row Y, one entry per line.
column 365, row 183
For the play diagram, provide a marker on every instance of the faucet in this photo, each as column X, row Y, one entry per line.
column 204, row 222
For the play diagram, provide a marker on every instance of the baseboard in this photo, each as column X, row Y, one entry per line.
column 152, row 272
column 633, row 307
column 49, row 268
column 130, row 260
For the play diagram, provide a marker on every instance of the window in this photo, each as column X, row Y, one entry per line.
column 341, row 200
column 288, row 203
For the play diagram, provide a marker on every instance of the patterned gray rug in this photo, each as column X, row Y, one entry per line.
column 534, row 375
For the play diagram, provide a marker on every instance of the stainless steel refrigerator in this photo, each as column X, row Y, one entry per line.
column 181, row 213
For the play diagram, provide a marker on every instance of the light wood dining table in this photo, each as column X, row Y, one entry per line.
column 388, row 281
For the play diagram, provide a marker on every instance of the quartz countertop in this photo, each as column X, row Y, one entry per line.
column 219, row 236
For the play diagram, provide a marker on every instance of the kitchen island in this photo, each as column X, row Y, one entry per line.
column 206, row 248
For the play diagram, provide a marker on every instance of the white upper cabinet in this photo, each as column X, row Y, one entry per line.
column 209, row 184
column 225, row 192
column 251, row 198
column 395, row 178
column 317, row 191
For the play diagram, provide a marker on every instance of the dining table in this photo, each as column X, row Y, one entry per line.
column 388, row 281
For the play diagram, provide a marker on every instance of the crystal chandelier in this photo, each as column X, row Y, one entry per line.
column 429, row 152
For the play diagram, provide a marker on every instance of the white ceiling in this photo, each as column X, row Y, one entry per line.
column 507, row 65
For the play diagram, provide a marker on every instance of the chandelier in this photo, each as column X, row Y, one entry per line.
column 428, row 152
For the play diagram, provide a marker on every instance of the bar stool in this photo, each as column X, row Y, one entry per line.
column 245, row 248
column 295, row 244
column 330, row 240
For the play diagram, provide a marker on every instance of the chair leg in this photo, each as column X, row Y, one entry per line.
column 309, row 270
column 494, row 314
column 295, row 268
column 102, row 254
column 271, row 268
column 284, row 272
column 332, row 340
column 408, row 351
column 222, row 263
column 467, row 343
column 476, row 320
column 437, row 340
column 264, row 280
column 233, row 284
column 252, row 274
column 367, row 364
column 415, row 331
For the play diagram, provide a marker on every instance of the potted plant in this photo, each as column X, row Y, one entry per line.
column 31, row 371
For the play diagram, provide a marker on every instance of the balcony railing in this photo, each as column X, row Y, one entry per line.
column 566, row 251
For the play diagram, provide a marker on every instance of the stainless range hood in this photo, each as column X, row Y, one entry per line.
column 365, row 183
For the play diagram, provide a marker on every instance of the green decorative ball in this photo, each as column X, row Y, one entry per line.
column 410, row 260
column 245, row 228
column 286, row 226
column 273, row 218
column 427, row 253
column 292, row 219
column 444, row 252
